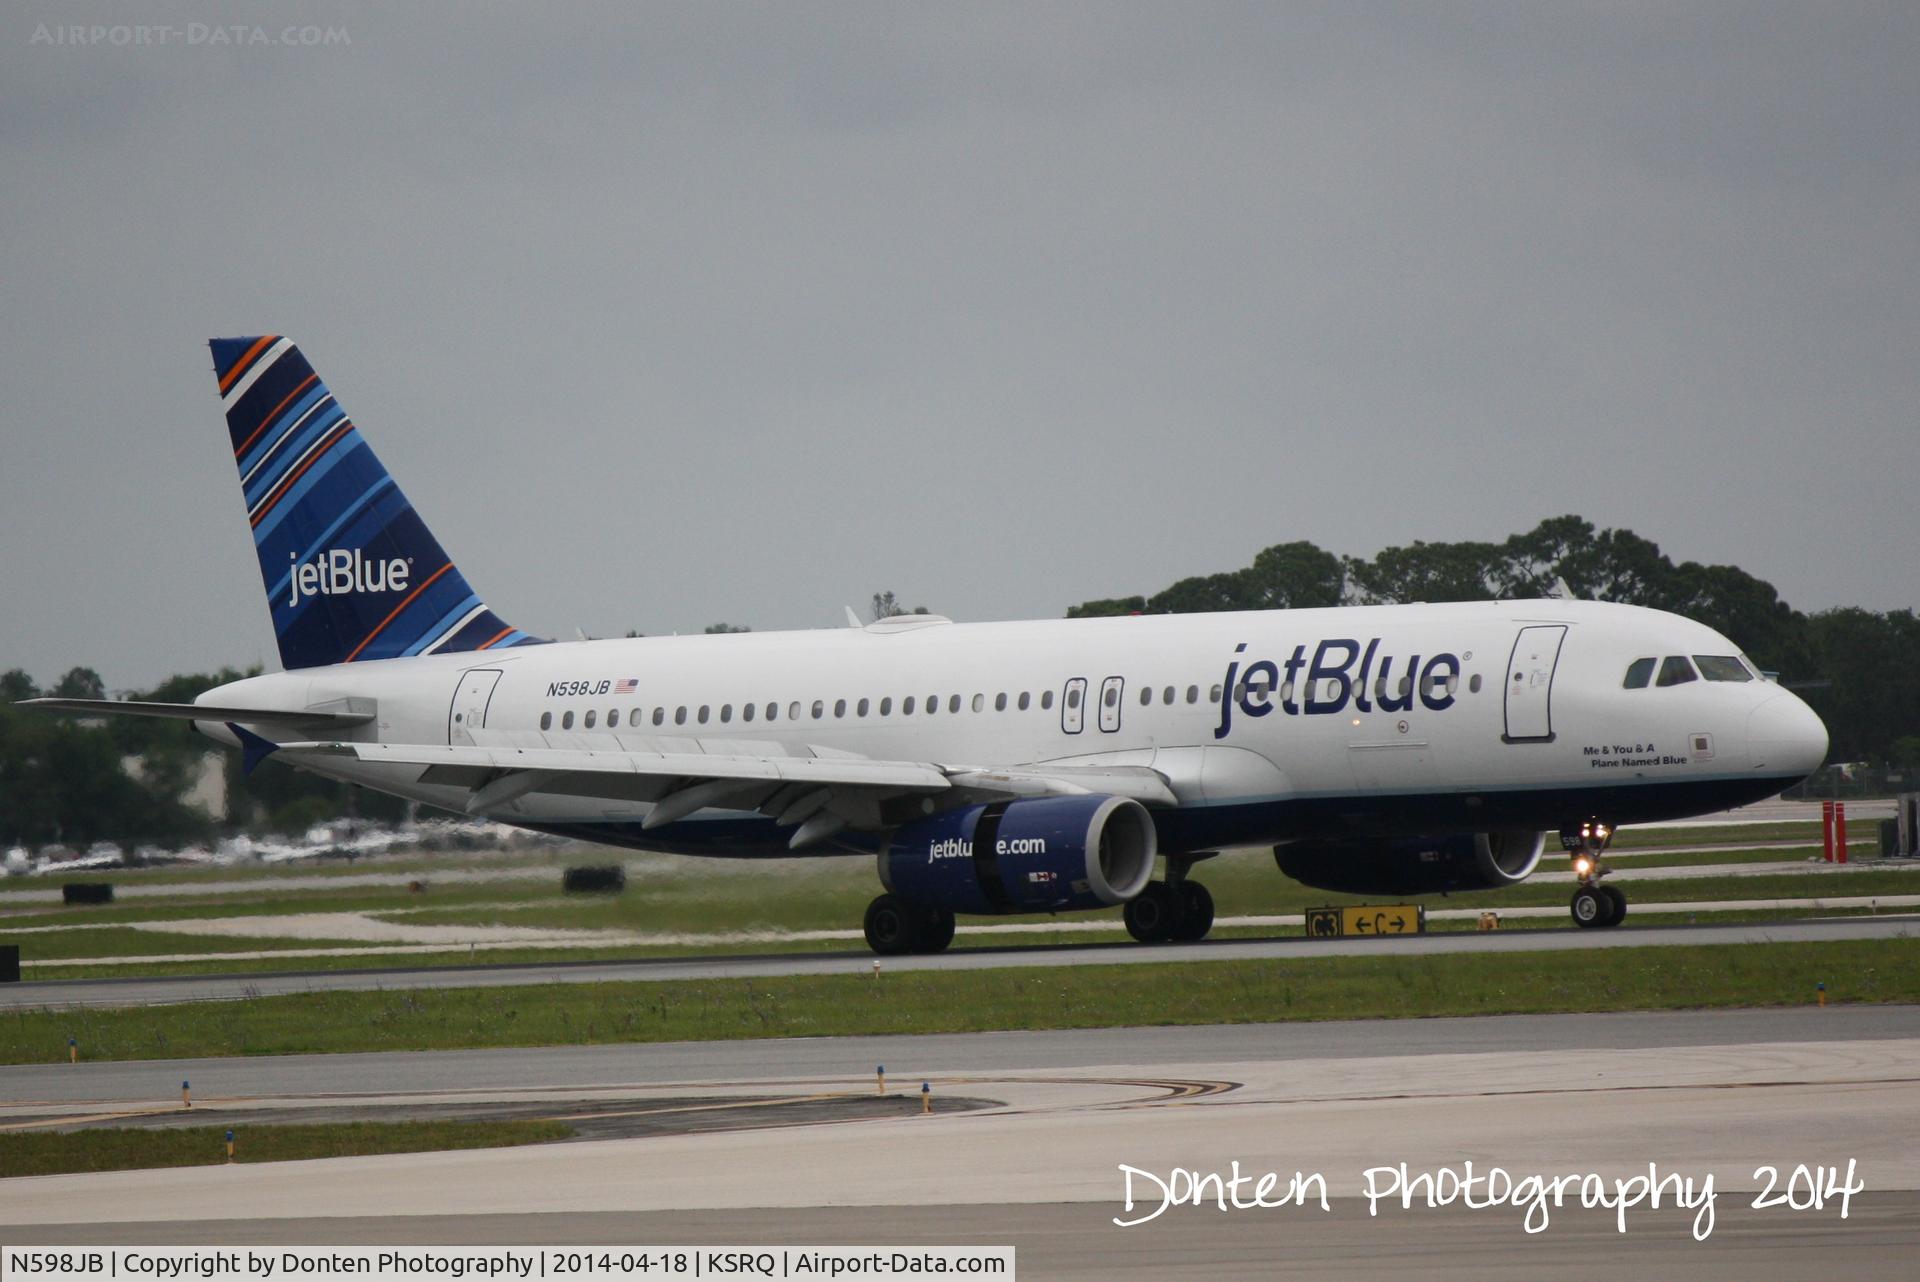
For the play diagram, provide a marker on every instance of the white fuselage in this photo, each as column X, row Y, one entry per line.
column 1513, row 714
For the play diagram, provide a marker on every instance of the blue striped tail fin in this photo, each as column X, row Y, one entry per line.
column 351, row 571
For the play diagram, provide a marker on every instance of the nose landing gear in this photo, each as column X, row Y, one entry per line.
column 1593, row 904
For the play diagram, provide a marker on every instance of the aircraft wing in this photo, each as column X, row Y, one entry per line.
column 818, row 789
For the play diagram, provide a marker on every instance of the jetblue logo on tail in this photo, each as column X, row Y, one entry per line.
column 339, row 572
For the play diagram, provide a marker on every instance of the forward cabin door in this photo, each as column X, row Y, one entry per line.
column 469, row 710
column 1536, row 653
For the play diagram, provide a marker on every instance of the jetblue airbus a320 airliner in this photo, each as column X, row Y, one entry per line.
column 991, row 768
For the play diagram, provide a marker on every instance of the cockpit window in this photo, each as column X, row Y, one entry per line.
column 1675, row 670
column 1639, row 672
column 1722, row 667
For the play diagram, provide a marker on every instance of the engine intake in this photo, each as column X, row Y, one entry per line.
column 1044, row 855
column 1413, row 865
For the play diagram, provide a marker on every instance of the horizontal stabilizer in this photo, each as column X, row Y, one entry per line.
column 296, row 717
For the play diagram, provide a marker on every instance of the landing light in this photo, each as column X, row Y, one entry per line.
column 1583, row 865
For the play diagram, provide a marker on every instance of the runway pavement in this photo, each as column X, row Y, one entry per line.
column 1696, row 1094
column 162, row 991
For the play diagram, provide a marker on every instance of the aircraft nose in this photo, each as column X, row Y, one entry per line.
column 1785, row 736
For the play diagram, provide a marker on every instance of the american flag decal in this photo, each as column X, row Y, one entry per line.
column 625, row 685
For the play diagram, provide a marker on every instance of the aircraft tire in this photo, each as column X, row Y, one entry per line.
column 936, row 931
column 1196, row 912
column 1617, row 902
column 1153, row 915
column 1590, row 907
column 893, row 926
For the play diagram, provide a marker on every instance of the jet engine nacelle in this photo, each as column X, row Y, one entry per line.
column 1413, row 865
column 1044, row 855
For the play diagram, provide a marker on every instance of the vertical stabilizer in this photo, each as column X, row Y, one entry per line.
column 351, row 571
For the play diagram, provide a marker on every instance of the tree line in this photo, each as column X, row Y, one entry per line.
column 63, row 779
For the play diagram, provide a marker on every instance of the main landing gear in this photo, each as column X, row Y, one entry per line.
column 1175, row 910
column 1593, row 904
column 895, row 926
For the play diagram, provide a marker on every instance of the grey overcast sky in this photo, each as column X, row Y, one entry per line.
column 666, row 314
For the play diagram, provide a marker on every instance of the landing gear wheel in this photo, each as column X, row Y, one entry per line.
column 1618, row 903
column 1196, row 912
column 1153, row 916
column 1591, row 907
column 936, row 931
column 894, row 926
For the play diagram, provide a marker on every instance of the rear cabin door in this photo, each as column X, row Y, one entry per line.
column 1536, row 653
column 470, row 700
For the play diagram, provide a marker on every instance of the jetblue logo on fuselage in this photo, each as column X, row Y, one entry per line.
column 339, row 572
column 1328, row 682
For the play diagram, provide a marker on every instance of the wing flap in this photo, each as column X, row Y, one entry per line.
column 829, row 771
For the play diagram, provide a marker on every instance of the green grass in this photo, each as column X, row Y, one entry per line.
column 129, row 1149
column 1246, row 991
column 118, row 941
column 1714, row 834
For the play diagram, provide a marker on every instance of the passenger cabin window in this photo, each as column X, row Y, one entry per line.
column 1674, row 671
column 546, row 721
column 566, row 721
column 1025, row 699
column 906, row 706
column 1722, row 667
column 953, row 703
column 588, row 723
column 1046, row 700
column 613, row 718
column 659, row 716
column 1639, row 672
